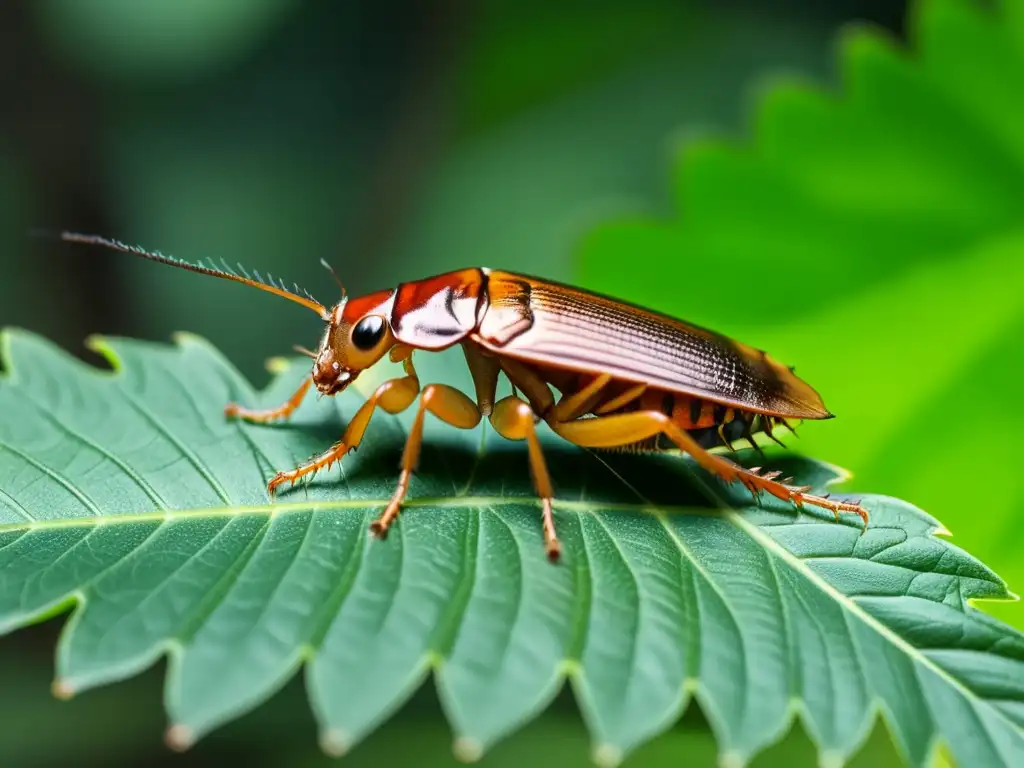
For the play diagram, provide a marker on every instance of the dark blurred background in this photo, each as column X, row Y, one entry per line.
column 396, row 140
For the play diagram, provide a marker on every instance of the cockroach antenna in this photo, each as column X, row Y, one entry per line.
column 334, row 274
column 255, row 280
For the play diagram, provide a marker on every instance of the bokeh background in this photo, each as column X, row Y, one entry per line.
column 718, row 160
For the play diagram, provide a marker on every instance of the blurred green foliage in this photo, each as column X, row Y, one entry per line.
column 158, row 43
column 398, row 140
column 874, row 238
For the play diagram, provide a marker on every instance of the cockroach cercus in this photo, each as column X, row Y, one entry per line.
column 628, row 378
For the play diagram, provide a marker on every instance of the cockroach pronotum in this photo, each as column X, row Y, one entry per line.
column 628, row 378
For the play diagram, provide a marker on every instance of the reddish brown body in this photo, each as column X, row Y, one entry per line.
column 567, row 337
column 627, row 378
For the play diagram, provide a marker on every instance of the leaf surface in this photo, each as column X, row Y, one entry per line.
column 127, row 495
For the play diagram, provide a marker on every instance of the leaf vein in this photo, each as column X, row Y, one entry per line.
column 788, row 633
column 192, row 458
column 13, row 541
column 12, row 503
column 322, row 619
column 520, row 586
column 445, row 632
column 582, row 604
column 698, row 569
column 639, row 602
column 299, row 550
column 213, row 597
column 140, row 481
column 156, row 588
column 57, row 476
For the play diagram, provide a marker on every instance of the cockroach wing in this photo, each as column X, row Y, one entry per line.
column 439, row 311
column 550, row 324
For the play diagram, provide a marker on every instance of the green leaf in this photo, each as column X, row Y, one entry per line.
column 873, row 238
column 127, row 495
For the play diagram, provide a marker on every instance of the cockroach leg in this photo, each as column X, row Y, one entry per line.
column 322, row 461
column 724, row 439
column 513, row 419
column 534, row 389
column 452, row 407
column 621, row 401
column 393, row 396
column 400, row 353
column 484, row 369
column 726, row 417
column 748, row 432
column 574, row 405
column 626, row 428
column 271, row 414
column 766, row 426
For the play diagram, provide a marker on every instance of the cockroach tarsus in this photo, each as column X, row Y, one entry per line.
column 628, row 378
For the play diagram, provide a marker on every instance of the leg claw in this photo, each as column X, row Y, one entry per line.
column 554, row 550
column 378, row 529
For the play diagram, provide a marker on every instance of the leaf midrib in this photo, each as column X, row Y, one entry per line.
column 341, row 504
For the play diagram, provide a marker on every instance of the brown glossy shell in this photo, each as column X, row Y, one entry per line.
column 551, row 324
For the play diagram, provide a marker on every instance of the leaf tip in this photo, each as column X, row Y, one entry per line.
column 62, row 689
column 830, row 759
column 731, row 760
column 179, row 737
column 184, row 337
column 607, row 756
column 277, row 365
column 101, row 346
column 334, row 742
column 467, row 750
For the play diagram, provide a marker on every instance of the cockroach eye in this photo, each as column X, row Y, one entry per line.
column 368, row 332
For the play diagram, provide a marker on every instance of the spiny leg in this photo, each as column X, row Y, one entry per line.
column 449, row 405
column 514, row 419
column 626, row 428
column 270, row 414
column 748, row 431
column 394, row 396
column 767, row 427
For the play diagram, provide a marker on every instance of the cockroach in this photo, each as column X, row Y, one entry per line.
column 627, row 378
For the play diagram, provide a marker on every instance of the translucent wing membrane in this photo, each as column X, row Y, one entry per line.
column 269, row 284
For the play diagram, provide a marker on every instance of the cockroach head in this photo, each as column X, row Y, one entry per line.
column 351, row 343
